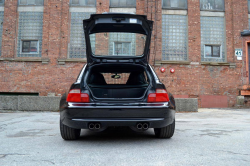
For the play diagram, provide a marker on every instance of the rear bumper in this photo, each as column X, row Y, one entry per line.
column 80, row 115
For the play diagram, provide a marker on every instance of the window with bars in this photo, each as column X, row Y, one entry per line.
column 174, row 4
column 82, row 2
column 213, row 39
column 212, row 5
column 123, row 3
column 77, row 47
column 174, row 38
column 30, row 32
column 1, row 29
column 30, row 2
column 1, row 2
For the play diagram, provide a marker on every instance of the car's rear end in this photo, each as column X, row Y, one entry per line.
column 117, row 87
column 115, row 106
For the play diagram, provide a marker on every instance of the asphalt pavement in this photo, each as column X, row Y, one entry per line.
column 209, row 137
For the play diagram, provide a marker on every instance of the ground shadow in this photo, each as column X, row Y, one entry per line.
column 116, row 134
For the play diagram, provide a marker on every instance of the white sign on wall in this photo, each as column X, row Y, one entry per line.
column 238, row 53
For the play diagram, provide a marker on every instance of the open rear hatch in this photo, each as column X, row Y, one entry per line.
column 117, row 38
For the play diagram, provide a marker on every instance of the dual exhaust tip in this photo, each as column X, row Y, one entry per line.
column 94, row 126
column 139, row 126
column 142, row 126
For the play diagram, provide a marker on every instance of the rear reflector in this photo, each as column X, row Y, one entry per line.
column 160, row 95
column 75, row 95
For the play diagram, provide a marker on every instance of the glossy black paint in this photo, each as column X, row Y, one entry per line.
column 117, row 111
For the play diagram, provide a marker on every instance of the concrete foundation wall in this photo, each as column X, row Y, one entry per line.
column 29, row 103
column 186, row 105
column 8, row 103
column 48, row 103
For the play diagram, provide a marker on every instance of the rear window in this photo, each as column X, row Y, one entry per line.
column 117, row 44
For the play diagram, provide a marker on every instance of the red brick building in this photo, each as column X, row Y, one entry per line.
column 43, row 50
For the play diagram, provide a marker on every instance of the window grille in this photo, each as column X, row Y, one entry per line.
column 30, row 28
column 212, row 33
column 77, row 40
column 174, row 38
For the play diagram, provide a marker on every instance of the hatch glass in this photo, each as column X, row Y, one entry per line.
column 117, row 44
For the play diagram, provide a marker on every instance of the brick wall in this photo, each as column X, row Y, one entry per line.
column 208, row 82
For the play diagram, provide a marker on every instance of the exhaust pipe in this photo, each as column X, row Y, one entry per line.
column 139, row 126
column 97, row 126
column 91, row 126
column 145, row 126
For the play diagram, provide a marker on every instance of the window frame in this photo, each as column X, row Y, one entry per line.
column 21, row 47
column 122, row 48
column 174, row 8
column 29, row 4
column 122, row 6
column 212, row 45
column 74, row 5
column 214, row 10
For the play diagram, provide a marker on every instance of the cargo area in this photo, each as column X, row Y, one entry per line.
column 118, row 81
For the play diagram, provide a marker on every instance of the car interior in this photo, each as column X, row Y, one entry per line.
column 118, row 81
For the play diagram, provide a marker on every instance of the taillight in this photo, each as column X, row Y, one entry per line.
column 160, row 95
column 75, row 95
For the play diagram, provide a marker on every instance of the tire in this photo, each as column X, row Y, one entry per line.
column 69, row 133
column 165, row 132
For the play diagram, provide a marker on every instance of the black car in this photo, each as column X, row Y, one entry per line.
column 117, row 86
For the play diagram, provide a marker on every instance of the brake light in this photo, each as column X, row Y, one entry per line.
column 75, row 95
column 160, row 95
